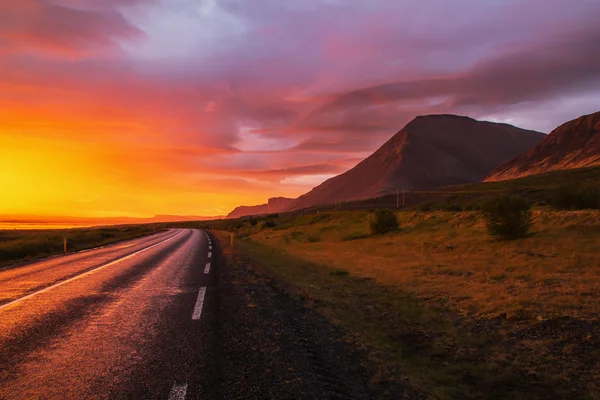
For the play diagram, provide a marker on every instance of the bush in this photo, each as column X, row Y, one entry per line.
column 339, row 272
column 508, row 217
column 453, row 207
column 384, row 221
column 426, row 207
column 313, row 238
column 253, row 222
column 269, row 224
column 574, row 198
column 354, row 236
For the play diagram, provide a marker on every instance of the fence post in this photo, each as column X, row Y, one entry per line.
column 231, row 237
column 65, row 244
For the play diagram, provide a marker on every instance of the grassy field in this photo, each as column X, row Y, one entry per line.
column 448, row 256
column 22, row 245
column 458, row 314
column 536, row 188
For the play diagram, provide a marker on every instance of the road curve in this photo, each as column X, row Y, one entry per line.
column 119, row 322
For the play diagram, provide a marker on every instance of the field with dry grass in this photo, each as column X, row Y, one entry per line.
column 449, row 257
column 28, row 245
column 439, row 305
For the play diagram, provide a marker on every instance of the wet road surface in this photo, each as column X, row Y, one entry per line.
column 119, row 322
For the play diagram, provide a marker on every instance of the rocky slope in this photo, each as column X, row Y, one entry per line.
column 575, row 144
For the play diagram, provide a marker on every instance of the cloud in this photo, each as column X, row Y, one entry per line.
column 217, row 91
column 64, row 28
column 280, row 174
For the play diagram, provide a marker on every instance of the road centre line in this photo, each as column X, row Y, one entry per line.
column 178, row 391
column 207, row 268
column 199, row 304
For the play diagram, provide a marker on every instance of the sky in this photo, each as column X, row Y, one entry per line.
column 192, row 107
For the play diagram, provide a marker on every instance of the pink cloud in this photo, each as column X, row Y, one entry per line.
column 48, row 28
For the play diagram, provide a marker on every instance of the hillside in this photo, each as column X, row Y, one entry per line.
column 575, row 144
column 274, row 205
column 430, row 151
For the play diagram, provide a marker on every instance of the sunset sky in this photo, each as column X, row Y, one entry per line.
column 192, row 107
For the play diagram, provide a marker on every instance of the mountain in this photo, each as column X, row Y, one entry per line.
column 430, row 151
column 274, row 205
column 575, row 144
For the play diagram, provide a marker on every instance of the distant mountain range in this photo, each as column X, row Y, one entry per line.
column 575, row 144
column 430, row 151
column 274, row 205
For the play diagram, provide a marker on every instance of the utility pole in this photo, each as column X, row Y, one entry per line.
column 403, row 202
column 397, row 199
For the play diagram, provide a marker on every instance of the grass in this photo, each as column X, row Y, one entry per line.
column 461, row 314
column 449, row 256
column 23, row 245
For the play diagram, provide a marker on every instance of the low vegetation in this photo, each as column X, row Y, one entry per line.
column 508, row 217
column 383, row 221
column 571, row 197
column 22, row 245
column 461, row 314
column 537, row 189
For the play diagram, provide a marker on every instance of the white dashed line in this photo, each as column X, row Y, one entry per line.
column 87, row 273
column 210, row 247
column 178, row 392
column 199, row 304
column 207, row 268
column 209, row 254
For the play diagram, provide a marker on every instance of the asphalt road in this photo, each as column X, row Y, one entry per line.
column 120, row 322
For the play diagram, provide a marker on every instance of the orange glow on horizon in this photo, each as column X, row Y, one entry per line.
column 66, row 177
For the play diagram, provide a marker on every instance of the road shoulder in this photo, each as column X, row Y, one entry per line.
column 275, row 347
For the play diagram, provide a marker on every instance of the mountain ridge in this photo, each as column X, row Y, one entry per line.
column 574, row 144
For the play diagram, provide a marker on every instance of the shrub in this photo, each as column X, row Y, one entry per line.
column 453, row 207
column 269, row 224
column 426, row 207
column 253, row 222
column 339, row 272
column 384, row 221
column 508, row 217
column 354, row 236
column 313, row 238
column 574, row 198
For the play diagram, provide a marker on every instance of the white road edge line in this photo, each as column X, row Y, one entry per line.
column 86, row 273
column 207, row 268
column 178, row 392
column 199, row 304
